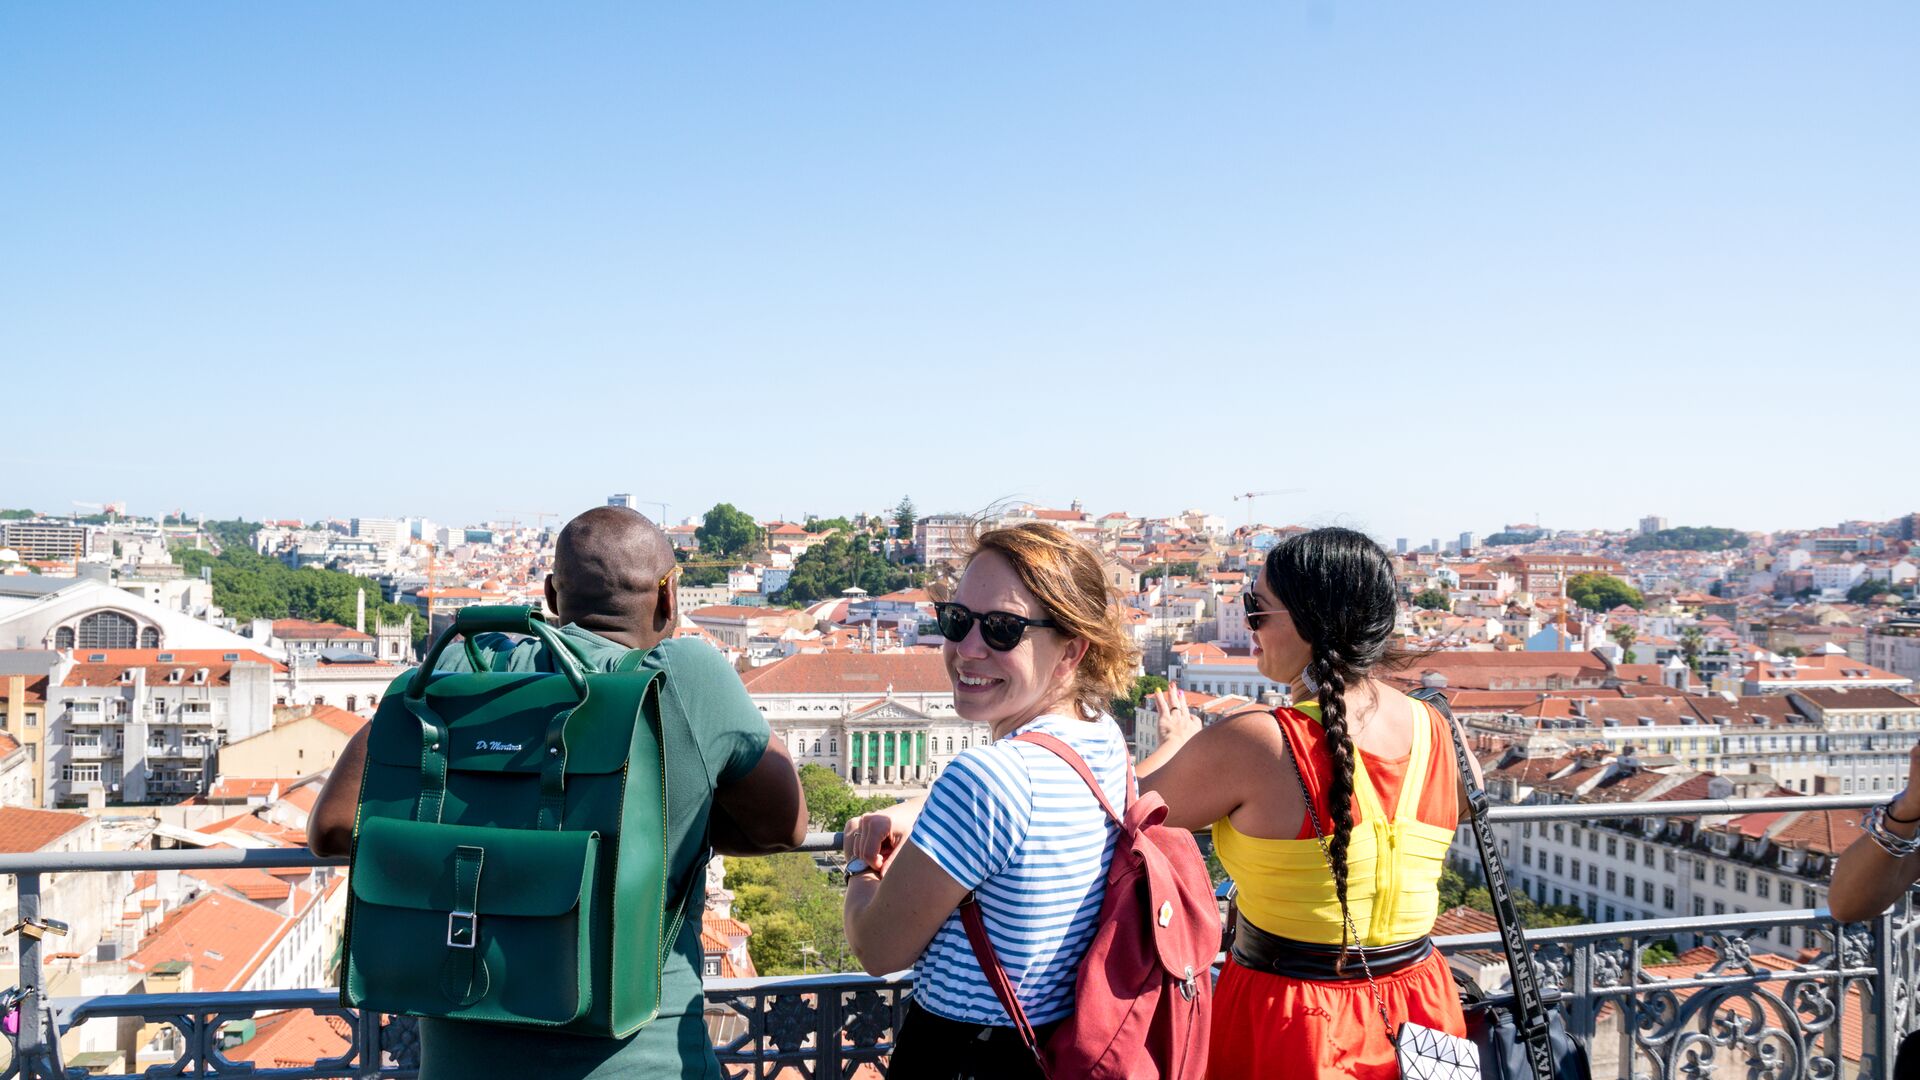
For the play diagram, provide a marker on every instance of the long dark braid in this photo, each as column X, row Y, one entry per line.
column 1331, row 685
column 1337, row 585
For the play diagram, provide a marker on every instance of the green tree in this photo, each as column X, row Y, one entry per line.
column 834, row 524
column 247, row 585
column 1433, row 600
column 904, row 517
column 1506, row 538
column 1689, row 538
column 1793, row 650
column 1458, row 890
column 1602, row 592
column 1624, row 636
column 18, row 515
column 1179, row 569
column 794, row 912
column 1866, row 589
column 727, row 531
column 1693, row 642
column 1125, row 707
column 840, row 563
column 831, row 803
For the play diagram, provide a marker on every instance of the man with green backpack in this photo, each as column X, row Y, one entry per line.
column 549, row 802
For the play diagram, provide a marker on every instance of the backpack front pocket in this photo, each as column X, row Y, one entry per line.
column 440, row 912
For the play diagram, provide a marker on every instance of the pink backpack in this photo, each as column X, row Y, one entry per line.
column 1144, row 995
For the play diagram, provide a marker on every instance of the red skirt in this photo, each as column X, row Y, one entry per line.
column 1270, row 1025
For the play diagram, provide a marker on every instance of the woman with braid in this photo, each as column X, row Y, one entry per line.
column 1351, row 874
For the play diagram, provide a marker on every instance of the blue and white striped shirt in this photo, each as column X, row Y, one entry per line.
column 1013, row 823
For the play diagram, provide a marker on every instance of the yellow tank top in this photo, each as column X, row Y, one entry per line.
column 1393, row 866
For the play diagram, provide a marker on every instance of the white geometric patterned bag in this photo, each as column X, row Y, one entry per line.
column 1426, row 1054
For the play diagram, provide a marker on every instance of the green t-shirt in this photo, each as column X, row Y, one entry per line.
column 714, row 735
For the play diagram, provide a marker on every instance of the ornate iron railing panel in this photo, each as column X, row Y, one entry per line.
column 1831, row 1014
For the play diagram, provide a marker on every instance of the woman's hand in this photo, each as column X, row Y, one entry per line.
column 1906, row 805
column 875, row 837
column 1177, row 722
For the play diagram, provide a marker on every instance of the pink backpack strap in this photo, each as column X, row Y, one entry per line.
column 976, row 923
column 997, row 977
column 1078, row 765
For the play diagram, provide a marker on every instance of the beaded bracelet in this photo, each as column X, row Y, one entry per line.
column 1875, row 825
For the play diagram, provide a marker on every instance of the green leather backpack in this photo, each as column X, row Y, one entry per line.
column 510, row 850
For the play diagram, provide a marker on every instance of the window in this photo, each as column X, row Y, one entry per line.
column 1593, row 875
column 1630, row 851
column 1611, row 886
column 1559, row 866
column 107, row 630
column 1613, row 845
column 1649, row 856
column 833, row 745
column 150, row 638
column 1646, row 892
column 1576, row 870
column 1669, row 862
column 1610, row 915
column 1559, row 834
column 1666, row 898
column 1719, row 875
column 1719, row 908
column 1526, row 855
column 1630, row 884
column 1739, row 881
column 1699, row 870
column 1527, row 829
column 83, row 774
column 353, row 702
column 1699, row 906
column 63, row 638
column 1593, row 841
column 1557, row 898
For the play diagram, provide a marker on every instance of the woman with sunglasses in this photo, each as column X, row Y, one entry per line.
column 1337, row 896
column 1033, row 643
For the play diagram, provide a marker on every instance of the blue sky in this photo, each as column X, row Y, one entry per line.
column 1443, row 266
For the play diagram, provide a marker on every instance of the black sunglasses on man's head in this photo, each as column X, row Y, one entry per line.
column 1001, row 630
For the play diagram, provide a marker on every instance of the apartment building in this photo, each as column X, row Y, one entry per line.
column 1894, row 645
column 1658, row 867
column 140, row 725
column 885, row 721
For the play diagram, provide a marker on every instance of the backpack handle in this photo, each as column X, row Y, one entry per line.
column 502, row 619
column 499, row 619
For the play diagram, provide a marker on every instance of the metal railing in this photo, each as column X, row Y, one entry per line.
column 1834, row 1015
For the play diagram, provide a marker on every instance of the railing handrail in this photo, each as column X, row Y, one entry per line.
column 276, row 858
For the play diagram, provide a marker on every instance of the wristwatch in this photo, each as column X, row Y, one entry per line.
column 856, row 867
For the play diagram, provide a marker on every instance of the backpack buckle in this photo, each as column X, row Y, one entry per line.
column 463, row 929
column 1188, row 985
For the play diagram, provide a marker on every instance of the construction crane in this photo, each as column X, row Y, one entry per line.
column 1249, row 496
column 539, row 517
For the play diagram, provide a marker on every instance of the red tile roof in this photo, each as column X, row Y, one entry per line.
column 294, row 1039
column 34, row 691
column 220, row 935
column 851, row 673
column 187, row 661
column 305, row 630
column 23, row 831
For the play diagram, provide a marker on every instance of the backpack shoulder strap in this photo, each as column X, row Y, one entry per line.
column 997, row 977
column 627, row 665
column 1075, row 762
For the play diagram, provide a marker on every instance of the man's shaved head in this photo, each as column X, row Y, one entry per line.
column 607, row 567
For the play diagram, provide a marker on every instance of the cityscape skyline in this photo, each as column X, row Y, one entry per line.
column 1438, row 267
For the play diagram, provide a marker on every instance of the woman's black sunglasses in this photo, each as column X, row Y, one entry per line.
column 1251, row 600
column 1001, row 630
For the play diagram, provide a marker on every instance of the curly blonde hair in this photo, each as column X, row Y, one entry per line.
column 1065, row 576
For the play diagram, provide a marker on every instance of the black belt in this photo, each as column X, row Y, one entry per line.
column 1257, row 950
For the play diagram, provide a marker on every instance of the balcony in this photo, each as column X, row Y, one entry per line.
column 1736, row 1012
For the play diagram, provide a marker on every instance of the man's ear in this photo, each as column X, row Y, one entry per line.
column 553, row 597
column 666, row 606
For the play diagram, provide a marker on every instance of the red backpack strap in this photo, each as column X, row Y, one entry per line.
column 997, row 977
column 1077, row 764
